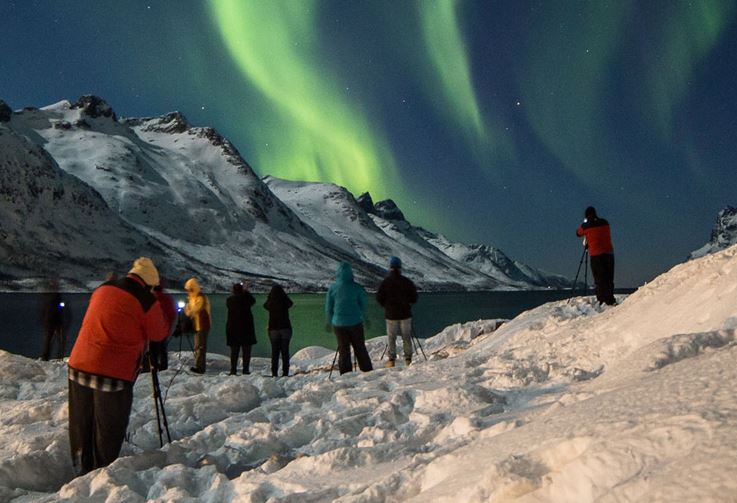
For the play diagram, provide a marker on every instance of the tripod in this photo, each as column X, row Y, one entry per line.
column 415, row 344
column 158, row 402
column 584, row 259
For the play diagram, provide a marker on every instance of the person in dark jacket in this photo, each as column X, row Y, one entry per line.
column 280, row 328
column 122, row 315
column 598, row 239
column 239, row 330
column 345, row 306
column 396, row 294
column 55, row 318
column 159, row 350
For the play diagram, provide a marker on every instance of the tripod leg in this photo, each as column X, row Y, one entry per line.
column 335, row 357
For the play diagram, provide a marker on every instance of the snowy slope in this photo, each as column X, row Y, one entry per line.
column 376, row 231
column 52, row 221
column 191, row 202
column 569, row 402
column 723, row 235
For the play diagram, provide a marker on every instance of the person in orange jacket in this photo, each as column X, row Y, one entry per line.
column 122, row 315
column 198, row 309
column 599, row 241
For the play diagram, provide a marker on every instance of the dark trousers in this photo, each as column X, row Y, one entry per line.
column 160, row 354
column 200, row 351
column 280, row 348
column 234, row 351
column 53, row 335
column 97, row 424
column 347, row 337
column 602, row 268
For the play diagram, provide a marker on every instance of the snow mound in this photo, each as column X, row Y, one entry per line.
column 570, row 401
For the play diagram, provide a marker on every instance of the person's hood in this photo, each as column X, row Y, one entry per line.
column 344, row 273
column 192, row 286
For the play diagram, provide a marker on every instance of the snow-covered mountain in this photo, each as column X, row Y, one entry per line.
column 185, row 196
column 723, row 235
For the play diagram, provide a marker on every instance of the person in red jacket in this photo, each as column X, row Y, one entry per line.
column 599, row 242
column 122, row 315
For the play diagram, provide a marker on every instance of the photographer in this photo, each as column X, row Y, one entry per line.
column 122, row 315
column 599, row 241
column 198, row 309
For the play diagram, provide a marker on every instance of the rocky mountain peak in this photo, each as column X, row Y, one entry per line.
column 365, row 202
column 94, row 106
column 388, row 210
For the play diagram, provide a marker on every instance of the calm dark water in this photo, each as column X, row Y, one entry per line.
column 21, row 333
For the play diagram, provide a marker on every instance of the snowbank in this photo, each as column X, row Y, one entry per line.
column 567, row 402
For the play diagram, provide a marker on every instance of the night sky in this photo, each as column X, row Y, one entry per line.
column 491, row 122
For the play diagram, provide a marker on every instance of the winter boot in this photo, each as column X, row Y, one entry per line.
column 389, row 364
column 408, row 362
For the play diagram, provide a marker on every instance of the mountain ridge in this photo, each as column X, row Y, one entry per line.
column 186, row 196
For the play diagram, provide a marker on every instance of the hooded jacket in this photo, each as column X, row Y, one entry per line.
column 198, row 306
column 345, row 303
column 121, row 316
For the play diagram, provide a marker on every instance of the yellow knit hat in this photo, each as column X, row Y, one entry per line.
column 144, row 268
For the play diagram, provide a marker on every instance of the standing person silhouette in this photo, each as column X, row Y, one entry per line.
column 397, row 294
column 345, row 306
column 198, row 309
column 280, row 328
column 599, row 241
column 239, row 330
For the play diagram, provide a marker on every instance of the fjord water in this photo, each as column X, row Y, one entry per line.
column 21, row 332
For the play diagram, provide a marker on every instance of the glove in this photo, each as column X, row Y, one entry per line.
column 328, row 327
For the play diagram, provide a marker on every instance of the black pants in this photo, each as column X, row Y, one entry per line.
column 160, row 353
column 602, row 268
column 347, row 337
column 280, row 348
column 234, row 351
column 53, row 335
column 97, row 424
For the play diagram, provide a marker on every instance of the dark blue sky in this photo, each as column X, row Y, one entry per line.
column 491, row 122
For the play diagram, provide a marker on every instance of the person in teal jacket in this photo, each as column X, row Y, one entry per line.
column 345, row 305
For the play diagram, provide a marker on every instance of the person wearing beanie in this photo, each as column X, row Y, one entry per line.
column 396, row 295
column 240, row 334
column 123, row 314
column 198, row 310
column 598, row 239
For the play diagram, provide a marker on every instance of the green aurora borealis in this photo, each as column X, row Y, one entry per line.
column 490, row 121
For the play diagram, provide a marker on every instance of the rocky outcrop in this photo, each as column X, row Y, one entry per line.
column 94, row 107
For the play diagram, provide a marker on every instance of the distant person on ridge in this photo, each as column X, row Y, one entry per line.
column 55, row 318
column 345, row 306
column 122, row 315
column 396, row 294
column 240, row 334
column 280, row 328
column 599, row 242
column 198, row 310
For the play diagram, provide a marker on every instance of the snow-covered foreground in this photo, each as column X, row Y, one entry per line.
column 566, row 403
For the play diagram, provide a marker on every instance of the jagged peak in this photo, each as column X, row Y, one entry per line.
column 366, row 202
column 388, row 210
column 94, row 106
